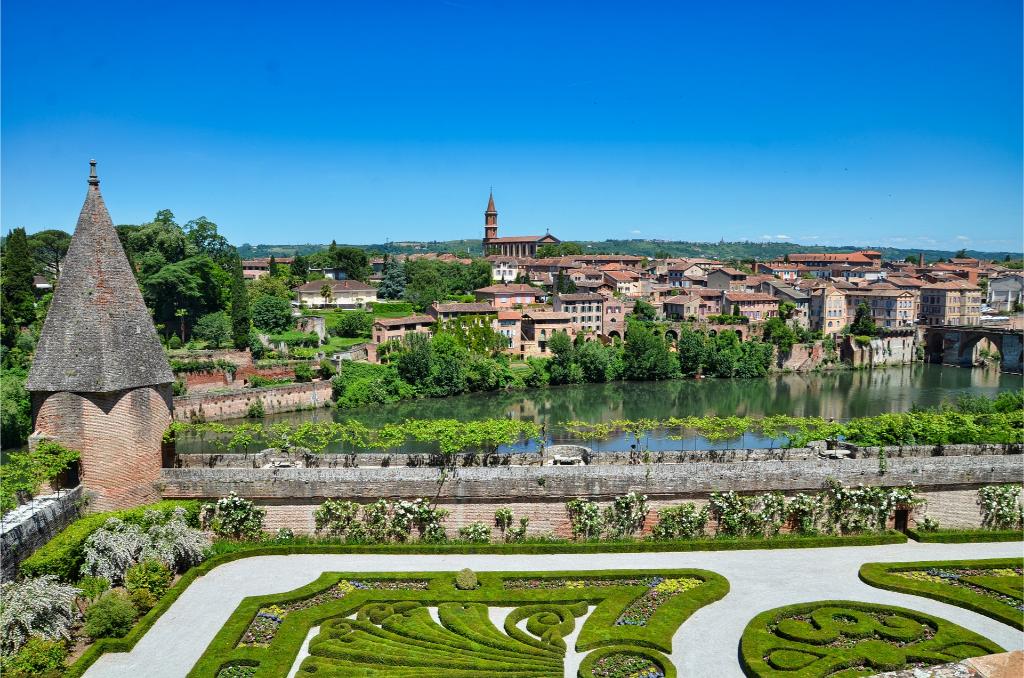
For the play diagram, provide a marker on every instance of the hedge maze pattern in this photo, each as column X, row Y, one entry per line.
column 993, row 587
column 385, row 625
column 843, row 639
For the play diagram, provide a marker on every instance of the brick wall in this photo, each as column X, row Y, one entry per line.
column 120, row 437
column 211, row 407
column 539, row 492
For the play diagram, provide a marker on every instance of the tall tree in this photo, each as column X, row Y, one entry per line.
column 646, row 355
column 18, row 295
column 863, row 323
column 241, row 322
column 393, row 284
column 48, row 250
column 203, row 234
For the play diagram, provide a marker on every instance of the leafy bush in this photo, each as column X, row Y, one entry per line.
column 143, row 600
column 234, row 517
column 685, row 521
column 112, row 549
column 503, row 519
column 585, row 519
column 626, row 515
column 64, row 555
column 335, row 517
column 1001, row 507
column 353, row 324
column 475, row 533
column 256, row 409
column 175, row 543
column 271, row 314
column 303, row 373
column 93, row 587
column 112, row 616
column 466, row 580
column 24, row 472
column 149, row 575
column 15, row 408
column 38, row 658
column 39, row 606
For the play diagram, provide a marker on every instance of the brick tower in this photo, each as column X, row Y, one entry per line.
column 490, row 222
column 100, row 381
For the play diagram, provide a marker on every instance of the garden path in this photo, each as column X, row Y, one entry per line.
column 705, row 645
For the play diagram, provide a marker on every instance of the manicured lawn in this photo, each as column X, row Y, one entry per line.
column 843, row 639
column 385, row 625
column 993, row 587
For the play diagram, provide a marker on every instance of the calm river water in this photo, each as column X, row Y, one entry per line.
column 840, row 395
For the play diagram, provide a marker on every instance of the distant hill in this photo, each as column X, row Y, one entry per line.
column 761, row 251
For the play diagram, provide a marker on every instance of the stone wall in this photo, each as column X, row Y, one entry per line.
column 804, row 357
column 893, row 350
column 31, row 525
column 120, row 437
column 215, row 406
column 539, row 492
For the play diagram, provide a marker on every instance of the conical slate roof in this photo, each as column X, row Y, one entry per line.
column 98, row 335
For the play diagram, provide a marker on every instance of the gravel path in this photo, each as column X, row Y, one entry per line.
column 705, row 645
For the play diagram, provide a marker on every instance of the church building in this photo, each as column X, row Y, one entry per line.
column 512, row 246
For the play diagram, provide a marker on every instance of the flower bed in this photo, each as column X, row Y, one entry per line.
column 831, row 638
column 992, row 587
column 383, row 625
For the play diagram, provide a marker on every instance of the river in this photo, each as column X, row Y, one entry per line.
column 839, row 394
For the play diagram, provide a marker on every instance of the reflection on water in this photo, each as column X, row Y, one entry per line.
column 839, row 395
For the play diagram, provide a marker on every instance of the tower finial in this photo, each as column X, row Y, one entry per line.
column 93, row 179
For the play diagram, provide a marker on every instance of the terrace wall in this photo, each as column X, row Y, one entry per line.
column 216, row 406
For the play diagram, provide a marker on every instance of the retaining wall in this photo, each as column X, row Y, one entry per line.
column 539, row 492
column 214, row 406
column 31, row 525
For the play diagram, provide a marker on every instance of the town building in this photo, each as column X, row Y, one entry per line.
column 754, row 306
column 259, row 267
column 392, row 329
column 1006, row 292
column 513, row 246
column 726, row 278
column 889, row 307
column 681, row 307
column 449, row 311
column 586, row 310
column 509, row 295
column 539, row 326
column 327, row 293
column 951, row 303
column 100, row 381
column 827, row 308
column 510, row 326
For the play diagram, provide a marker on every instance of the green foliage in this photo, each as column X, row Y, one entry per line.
column 353, row 324
column 777, row 332
column 943, row 581
column 475, row 533
column 954, row 536
column 303, row 373
column 644, row 312
column 38, row 606
column 626, row 516
column 233, row 517
column 18, row 302
column 392, row 284
column 112, row 616
column 1001, row 507
column 430, row 280
column 256, row 409
column 466, row 580
column 24, row 472
column 561, row 249
column 809, row 640
column 336, row 517
column 647, row 356
column 585, row 519
column 271, row 314
column 93, row 587
column 362, row 384
column 684, row 521
column 863, row 323
column 214, row 328
column 38, row 658
column 149, row 575
column 191, row 366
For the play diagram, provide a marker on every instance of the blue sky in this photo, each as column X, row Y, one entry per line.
column 885, row 123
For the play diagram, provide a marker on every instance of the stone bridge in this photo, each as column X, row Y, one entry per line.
column 956, row 344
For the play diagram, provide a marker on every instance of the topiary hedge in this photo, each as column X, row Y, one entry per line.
column 963, row 536
column 394, row 634
column 984, row 596
column 813, row 640
column 63, row 555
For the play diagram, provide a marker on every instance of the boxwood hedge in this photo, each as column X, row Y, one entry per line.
column 813, row 640
column 883, row 575
column 467, row 644
column 964, row 536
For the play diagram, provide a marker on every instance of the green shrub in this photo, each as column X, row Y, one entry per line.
column 112, row 616
column 466, row 580
column 303, row 373
column 475, row 533
column 63, row 555
column 93, row 587
column 685, row 521
column 149, row 575
column 38, row 658
column 143, row 600
column 256, row 409
column 234, row 517
column 174, row 343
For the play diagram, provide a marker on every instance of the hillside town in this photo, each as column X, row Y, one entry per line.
column 531, row 297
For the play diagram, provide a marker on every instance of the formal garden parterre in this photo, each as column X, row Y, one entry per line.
column 992, row 587
column 845, row 639
column 384, row 624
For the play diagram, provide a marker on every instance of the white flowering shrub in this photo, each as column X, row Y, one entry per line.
column 233, row 516
column 112, row 549
column 475, row 533
column 175, row 543
column 626, row 515
column 41, row 606
column 1001, row 507
column 585, row 519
